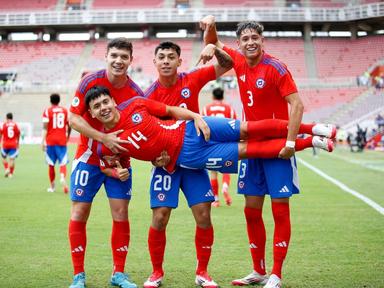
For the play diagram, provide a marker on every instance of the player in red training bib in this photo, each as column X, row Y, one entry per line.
column 55, row 136
column 266, row 88
column 219, row 108
column 10, row 136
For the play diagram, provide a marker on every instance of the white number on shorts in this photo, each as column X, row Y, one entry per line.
column 58, row 120
column 162, row 183
column 213, row 163
column 11, row 132
column 250, row 98
column 243, row 168
column 81, row 177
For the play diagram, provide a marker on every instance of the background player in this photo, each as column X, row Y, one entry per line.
column 10, row 136
column 86, row 177
column 266, row 88
column 55, row 137
column 182, row 89
column 219, row 108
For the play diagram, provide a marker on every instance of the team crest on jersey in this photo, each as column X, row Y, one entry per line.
column 228, row 163
column 75, row 101
column 185, row 93
column 241, row 184
column 260, row 83
column 79, row 192
column 137, row 118
column 161, row 196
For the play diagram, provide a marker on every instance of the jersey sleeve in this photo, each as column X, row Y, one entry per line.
column 155, row 108
column 45, row 116
column 231, row 52
column 286, row 85
column 202, row 76
column 78, row 101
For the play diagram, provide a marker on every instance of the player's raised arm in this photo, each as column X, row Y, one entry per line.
column 208, row 25
column 185, row 114
column 224, row 61
column 111, row 140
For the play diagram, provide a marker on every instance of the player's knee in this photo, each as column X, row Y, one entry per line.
column 160, row 219
column 120, row 214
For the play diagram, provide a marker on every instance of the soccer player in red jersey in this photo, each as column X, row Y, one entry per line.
column 55, row 136
column 266, row 88
column 182, row 89
column 219, row 108
column 222, row 143
column 10, row 136
column 86, row 177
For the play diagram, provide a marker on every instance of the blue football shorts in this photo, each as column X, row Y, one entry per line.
column 276, row 177
column 11, row 153
column 164, row 189
column 56, row 153
column 86, row 181
column 220, row 153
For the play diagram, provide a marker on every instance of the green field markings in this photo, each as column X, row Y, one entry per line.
column 344, row 187
column 377, row 165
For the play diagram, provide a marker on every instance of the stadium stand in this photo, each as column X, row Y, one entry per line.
column 99, row 4
column 8, row 5
column 232, row 3
column 346, row 57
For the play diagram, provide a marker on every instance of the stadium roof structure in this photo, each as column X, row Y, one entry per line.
column 366, row 17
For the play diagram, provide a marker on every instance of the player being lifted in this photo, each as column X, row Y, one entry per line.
column 219, row 108
column 204, row 143
column 10, row 136
column 55, row 137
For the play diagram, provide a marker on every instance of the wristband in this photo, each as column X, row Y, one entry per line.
column 290, row 144
column 115, row 174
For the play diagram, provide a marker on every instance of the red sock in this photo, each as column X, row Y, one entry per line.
column 5, row 163
column 203, row 243
column 12, row 168
column 227, row 179
column 302, row 144
column 256, row 237
column 306, row 128
column 156, row 244
column 63, row 170
column 267, row 129
column 51, row 173
column 271, row 148
column 281, row 236
column 215, row 188
column 120, row 243
column 78, row 242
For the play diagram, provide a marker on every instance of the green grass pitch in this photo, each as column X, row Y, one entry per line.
column 337, row 240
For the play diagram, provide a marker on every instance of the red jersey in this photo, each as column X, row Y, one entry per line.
column 148, row 135
column 56, row 118
column 263, row 87
column 185, row 93
column 10, row 134
column 86, row 149
column 219, row 109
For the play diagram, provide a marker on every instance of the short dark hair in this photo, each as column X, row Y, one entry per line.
column 95, row 92
column 252, row 25
column 9, row 116
column 218, row 93
column 168, row 45
column 120, row 43
column 55, row 98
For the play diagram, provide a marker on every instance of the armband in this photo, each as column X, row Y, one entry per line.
column 115, row 174
column 290, row 144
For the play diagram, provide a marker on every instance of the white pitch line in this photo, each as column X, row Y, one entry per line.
column 344, row 187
